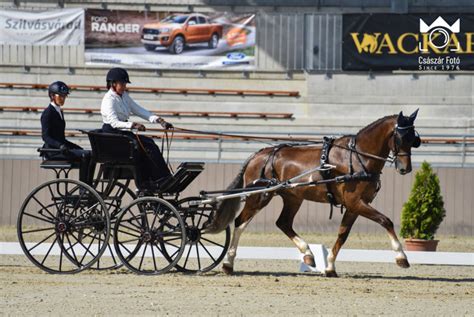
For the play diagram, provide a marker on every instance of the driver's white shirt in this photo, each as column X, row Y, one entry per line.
column 116, row 110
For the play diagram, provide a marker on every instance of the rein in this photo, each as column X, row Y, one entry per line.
column 168, row 140
column 242, row 136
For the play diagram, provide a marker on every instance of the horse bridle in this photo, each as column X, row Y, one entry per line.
column 397, row 142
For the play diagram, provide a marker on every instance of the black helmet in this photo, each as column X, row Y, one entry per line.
column 58, row 87
column 118, row 74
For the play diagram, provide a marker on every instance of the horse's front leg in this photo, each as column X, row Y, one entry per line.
column 344, row 229
column 371, row 213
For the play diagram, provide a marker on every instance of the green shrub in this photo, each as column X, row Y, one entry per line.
column 424, row 211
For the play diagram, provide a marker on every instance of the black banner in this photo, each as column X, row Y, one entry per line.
column 409, row 42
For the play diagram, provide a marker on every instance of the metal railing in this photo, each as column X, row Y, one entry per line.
column 440, row 150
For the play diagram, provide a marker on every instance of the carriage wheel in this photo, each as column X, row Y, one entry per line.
column 115, row 200
column 141, row 231
column 203, row 251
column 63, row 226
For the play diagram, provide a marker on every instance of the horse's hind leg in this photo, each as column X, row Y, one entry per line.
column 291, row 205
column 344, row 229
column 252, row 206
column 371, row 213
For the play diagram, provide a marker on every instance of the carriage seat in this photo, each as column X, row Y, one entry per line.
column 59, row 164
column 184, row 175
column 60, row 167
column 56, row 164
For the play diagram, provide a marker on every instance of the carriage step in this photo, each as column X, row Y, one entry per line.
column 185, row 174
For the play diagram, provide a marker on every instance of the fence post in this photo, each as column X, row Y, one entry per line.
column 463, row 160
column 219, row 150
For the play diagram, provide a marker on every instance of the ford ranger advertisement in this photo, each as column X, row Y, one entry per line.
column 170, row 40
column 177, row 31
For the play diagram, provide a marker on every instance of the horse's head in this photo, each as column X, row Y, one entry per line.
column 404, row 138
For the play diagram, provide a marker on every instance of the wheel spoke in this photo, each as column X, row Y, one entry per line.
column 128, row 233
column 87, row 211
column 87, row 249
column 38, row 230
column 199, row 220
column 52, row 196
column 61, row 253
column 129, row 220
column 49, row 250
column 210, row 241
column 143, row 256
column 131, row 229
column 198, row 257
column 46, row 219
column 187, row 255
column 52, row 234
column 207, row 251
column 153, row 256
column 112, row 254
column 123, row 246
column 131, row 240
column 170, row 244
column 81, row 195
column 72, row 248
column 44, row 208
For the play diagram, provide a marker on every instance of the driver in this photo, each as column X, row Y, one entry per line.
column 116, row 108
column 53, row 125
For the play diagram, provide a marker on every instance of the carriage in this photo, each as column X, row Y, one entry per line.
column 105, row 224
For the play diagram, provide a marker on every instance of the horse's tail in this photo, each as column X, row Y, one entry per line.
column 227, row 209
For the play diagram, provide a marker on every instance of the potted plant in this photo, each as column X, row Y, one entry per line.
column 423, row 212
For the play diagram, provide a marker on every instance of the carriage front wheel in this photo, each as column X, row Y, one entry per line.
column 63, row 226
column 142, row 230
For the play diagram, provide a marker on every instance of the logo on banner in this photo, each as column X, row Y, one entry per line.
column 439, row 34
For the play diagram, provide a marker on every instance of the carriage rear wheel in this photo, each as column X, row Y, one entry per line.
column 203, row 251
column 116, row 196
column 63, row 226
column 143, row 229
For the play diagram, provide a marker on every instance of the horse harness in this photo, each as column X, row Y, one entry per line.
column 352, row 176
column 326, row 174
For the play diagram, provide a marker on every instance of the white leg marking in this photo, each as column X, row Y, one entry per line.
column 232, row 252
column 398, row 248
column 302, row 246
column 331, row 262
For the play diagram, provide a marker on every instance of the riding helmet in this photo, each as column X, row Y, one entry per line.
column 58, row 87
column 118, row 74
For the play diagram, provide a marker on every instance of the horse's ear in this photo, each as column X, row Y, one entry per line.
column 400, row 118
column 413, row 115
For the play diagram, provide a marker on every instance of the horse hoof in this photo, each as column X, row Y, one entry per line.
column 227, row 269
column 403, row 263
column 309, row 260
column 331, row 274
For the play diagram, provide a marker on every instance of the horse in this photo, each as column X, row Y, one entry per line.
column 357, row 160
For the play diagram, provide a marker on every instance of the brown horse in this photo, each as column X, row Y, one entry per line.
column 364, row 154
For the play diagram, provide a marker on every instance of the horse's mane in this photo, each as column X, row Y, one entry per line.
column 375, row 123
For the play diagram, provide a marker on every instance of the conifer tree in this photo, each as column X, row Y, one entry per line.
column 424, row 211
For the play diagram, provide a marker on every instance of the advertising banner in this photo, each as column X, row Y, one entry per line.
column 410, row 42
column 55, row 27
column 162, row 40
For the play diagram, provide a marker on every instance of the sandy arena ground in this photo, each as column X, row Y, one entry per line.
column 259, row 287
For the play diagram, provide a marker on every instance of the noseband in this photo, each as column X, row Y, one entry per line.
column 399, row 134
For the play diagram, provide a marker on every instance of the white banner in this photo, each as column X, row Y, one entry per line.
column 55, row 27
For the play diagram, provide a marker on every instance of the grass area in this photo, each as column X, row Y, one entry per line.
column 355, row 240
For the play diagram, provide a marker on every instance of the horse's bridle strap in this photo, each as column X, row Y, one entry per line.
column 373, row 156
